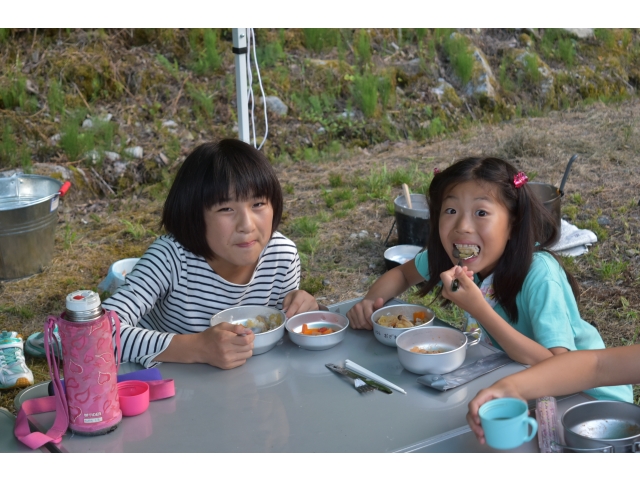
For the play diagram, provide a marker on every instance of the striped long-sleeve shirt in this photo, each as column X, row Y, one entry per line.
column 171, row 290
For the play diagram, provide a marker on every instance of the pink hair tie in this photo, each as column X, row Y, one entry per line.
column 520, row 179
column 436, row 171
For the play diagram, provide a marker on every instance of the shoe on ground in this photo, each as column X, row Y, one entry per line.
column 13, row 370
column 34, row 346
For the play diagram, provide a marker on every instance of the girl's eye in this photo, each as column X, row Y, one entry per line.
column 224, row 209
column 481, row 213
column 450, row 211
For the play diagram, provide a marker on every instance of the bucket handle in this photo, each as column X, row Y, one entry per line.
column 64, row 188
column 566, row 174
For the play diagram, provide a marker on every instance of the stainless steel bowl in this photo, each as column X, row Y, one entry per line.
column 241, row 316
column 451, row 344
column 317, row 319
column 388, row 335
column 602, row 425
column 400, row 254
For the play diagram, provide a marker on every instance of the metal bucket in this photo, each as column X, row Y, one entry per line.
column 412, row 223
column 551, row 196
column 28, row 205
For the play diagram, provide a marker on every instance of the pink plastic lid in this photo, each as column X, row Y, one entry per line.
column 134, row 397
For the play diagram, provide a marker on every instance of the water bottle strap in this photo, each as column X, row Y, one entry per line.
column 116, row 320
column 57, row 403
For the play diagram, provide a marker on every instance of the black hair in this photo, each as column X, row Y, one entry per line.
column 533, row 227
column 210, row 174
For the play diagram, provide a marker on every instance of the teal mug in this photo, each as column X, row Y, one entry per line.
column 505, row 422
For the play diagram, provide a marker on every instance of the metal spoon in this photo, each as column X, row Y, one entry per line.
column 455, row 284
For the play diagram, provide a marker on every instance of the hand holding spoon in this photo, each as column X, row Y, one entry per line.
column 455, row 284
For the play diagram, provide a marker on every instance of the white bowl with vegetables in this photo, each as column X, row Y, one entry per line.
column 267, row 323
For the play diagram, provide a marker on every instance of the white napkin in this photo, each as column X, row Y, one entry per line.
column 573, row 241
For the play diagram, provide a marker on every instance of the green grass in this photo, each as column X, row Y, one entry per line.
column 304, row 226
column 311, row 284
column 24, row 312
column 319, row 39
column 172, row 68
column 204, row 45
column 611, row 270
column 365, row 93
column 74, row 141
column 531, row 71
column 460, row 57
column 15, row 94
column 363, row 47
column 55, row 98
column 202, row 103
column 567, row 51
column 136, row 230
column 606, row 36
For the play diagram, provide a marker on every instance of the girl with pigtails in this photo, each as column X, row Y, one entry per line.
column 511, row 286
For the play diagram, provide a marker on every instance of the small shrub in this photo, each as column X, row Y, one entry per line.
column 304, row 226
column 365, row 93
column 319, row 39
column 203, row 103
column 531, row 68
column 363, row 47
column 74, row 142
column 311, row 285
column 436, row 127
column 460, row 57
column 55, row 98
column 270, row 54
column 567, row 51
column 606, row 36
column 207, row 57
column 335, row 180
column 8, row 146
column 172, row 68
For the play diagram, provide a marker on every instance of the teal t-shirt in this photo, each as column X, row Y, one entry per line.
column 548, row 313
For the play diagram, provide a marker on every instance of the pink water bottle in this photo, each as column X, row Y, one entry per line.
column 90, row 367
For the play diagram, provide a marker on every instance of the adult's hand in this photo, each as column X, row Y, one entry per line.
column 360, row 314
column 298, row 301
column 226, row 345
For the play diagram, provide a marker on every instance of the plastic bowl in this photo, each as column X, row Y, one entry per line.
column 115, row 277
column 388, row 335
column 241, row 316
column 134, row 397
column 449, row 347
column 317, row 319
column 395, row 256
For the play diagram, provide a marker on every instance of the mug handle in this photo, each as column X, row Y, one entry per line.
column 534, row 429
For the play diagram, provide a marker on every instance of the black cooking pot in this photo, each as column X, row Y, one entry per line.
column 551, row 196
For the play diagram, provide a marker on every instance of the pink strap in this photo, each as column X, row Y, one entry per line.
column 159, row 389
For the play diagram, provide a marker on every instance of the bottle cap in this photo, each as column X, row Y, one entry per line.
column 83, row 300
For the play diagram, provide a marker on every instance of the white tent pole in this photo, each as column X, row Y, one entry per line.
column 240, row 49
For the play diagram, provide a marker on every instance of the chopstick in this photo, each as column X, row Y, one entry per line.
column 354, row 367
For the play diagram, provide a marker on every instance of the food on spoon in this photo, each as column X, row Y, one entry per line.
column 316, row 331
column 467, row 251
column 400, row 321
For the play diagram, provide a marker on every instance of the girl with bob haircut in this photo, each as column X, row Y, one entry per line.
column 222, row 249
column 512, row 287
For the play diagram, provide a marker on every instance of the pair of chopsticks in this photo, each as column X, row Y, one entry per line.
column 354, row 367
